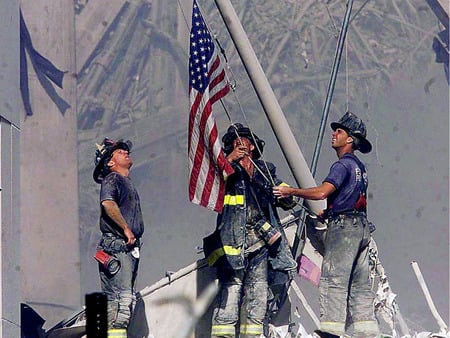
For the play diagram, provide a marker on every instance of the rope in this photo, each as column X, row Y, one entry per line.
column 331, row 84
column 358, row 11
column 333, row 23
column 184, row 15
column 346, row 52
column 346, row 76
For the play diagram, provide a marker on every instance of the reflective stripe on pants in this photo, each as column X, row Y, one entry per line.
column 335, row 328
column 117, row 333
column 242, row 295
column 251, row 330
column 222, row 331
column 367, row 328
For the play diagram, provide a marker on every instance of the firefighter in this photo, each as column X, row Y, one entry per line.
column 249, row 244
column 346, row 297
column 122, row 226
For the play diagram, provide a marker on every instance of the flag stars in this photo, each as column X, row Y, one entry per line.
column 201, row 51
column 208, row 72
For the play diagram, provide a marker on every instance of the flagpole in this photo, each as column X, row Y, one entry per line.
column 331, row 84
column 270, row 104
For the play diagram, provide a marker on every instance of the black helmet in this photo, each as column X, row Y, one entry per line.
column 238, row 129
column 104, row 153
column 356, row 129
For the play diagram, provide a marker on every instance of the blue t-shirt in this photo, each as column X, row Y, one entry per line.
column 120, row 189
column 349, row 177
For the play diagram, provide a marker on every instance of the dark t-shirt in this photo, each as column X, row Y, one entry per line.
column 120, row 189
column 349, row 179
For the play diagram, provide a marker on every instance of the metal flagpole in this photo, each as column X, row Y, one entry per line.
column 335, row 69
column 326, row 110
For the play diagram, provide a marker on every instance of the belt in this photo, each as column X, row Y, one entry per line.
column 126, row 248
column 346, row 214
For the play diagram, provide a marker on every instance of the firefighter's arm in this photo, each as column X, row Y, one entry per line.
column 285, row 203
column 113, row 211
column 315, row 193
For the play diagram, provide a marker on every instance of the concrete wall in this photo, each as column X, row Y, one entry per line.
column 49, row 197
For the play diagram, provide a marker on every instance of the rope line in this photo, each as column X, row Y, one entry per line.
column 346, row 76
column 184, row 15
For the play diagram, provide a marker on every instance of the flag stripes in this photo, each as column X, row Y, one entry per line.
column 207, row 162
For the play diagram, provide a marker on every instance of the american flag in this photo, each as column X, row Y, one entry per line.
column 207, row 84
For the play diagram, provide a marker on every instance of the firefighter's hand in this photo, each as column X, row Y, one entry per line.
column 130, row 236
column 282, row 191
column 237, row 154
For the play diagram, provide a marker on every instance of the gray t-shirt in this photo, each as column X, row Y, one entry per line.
column 120, row 189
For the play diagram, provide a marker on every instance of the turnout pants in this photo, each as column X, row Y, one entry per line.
column 346, row 297
column 242, row 299
column 120, row 287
